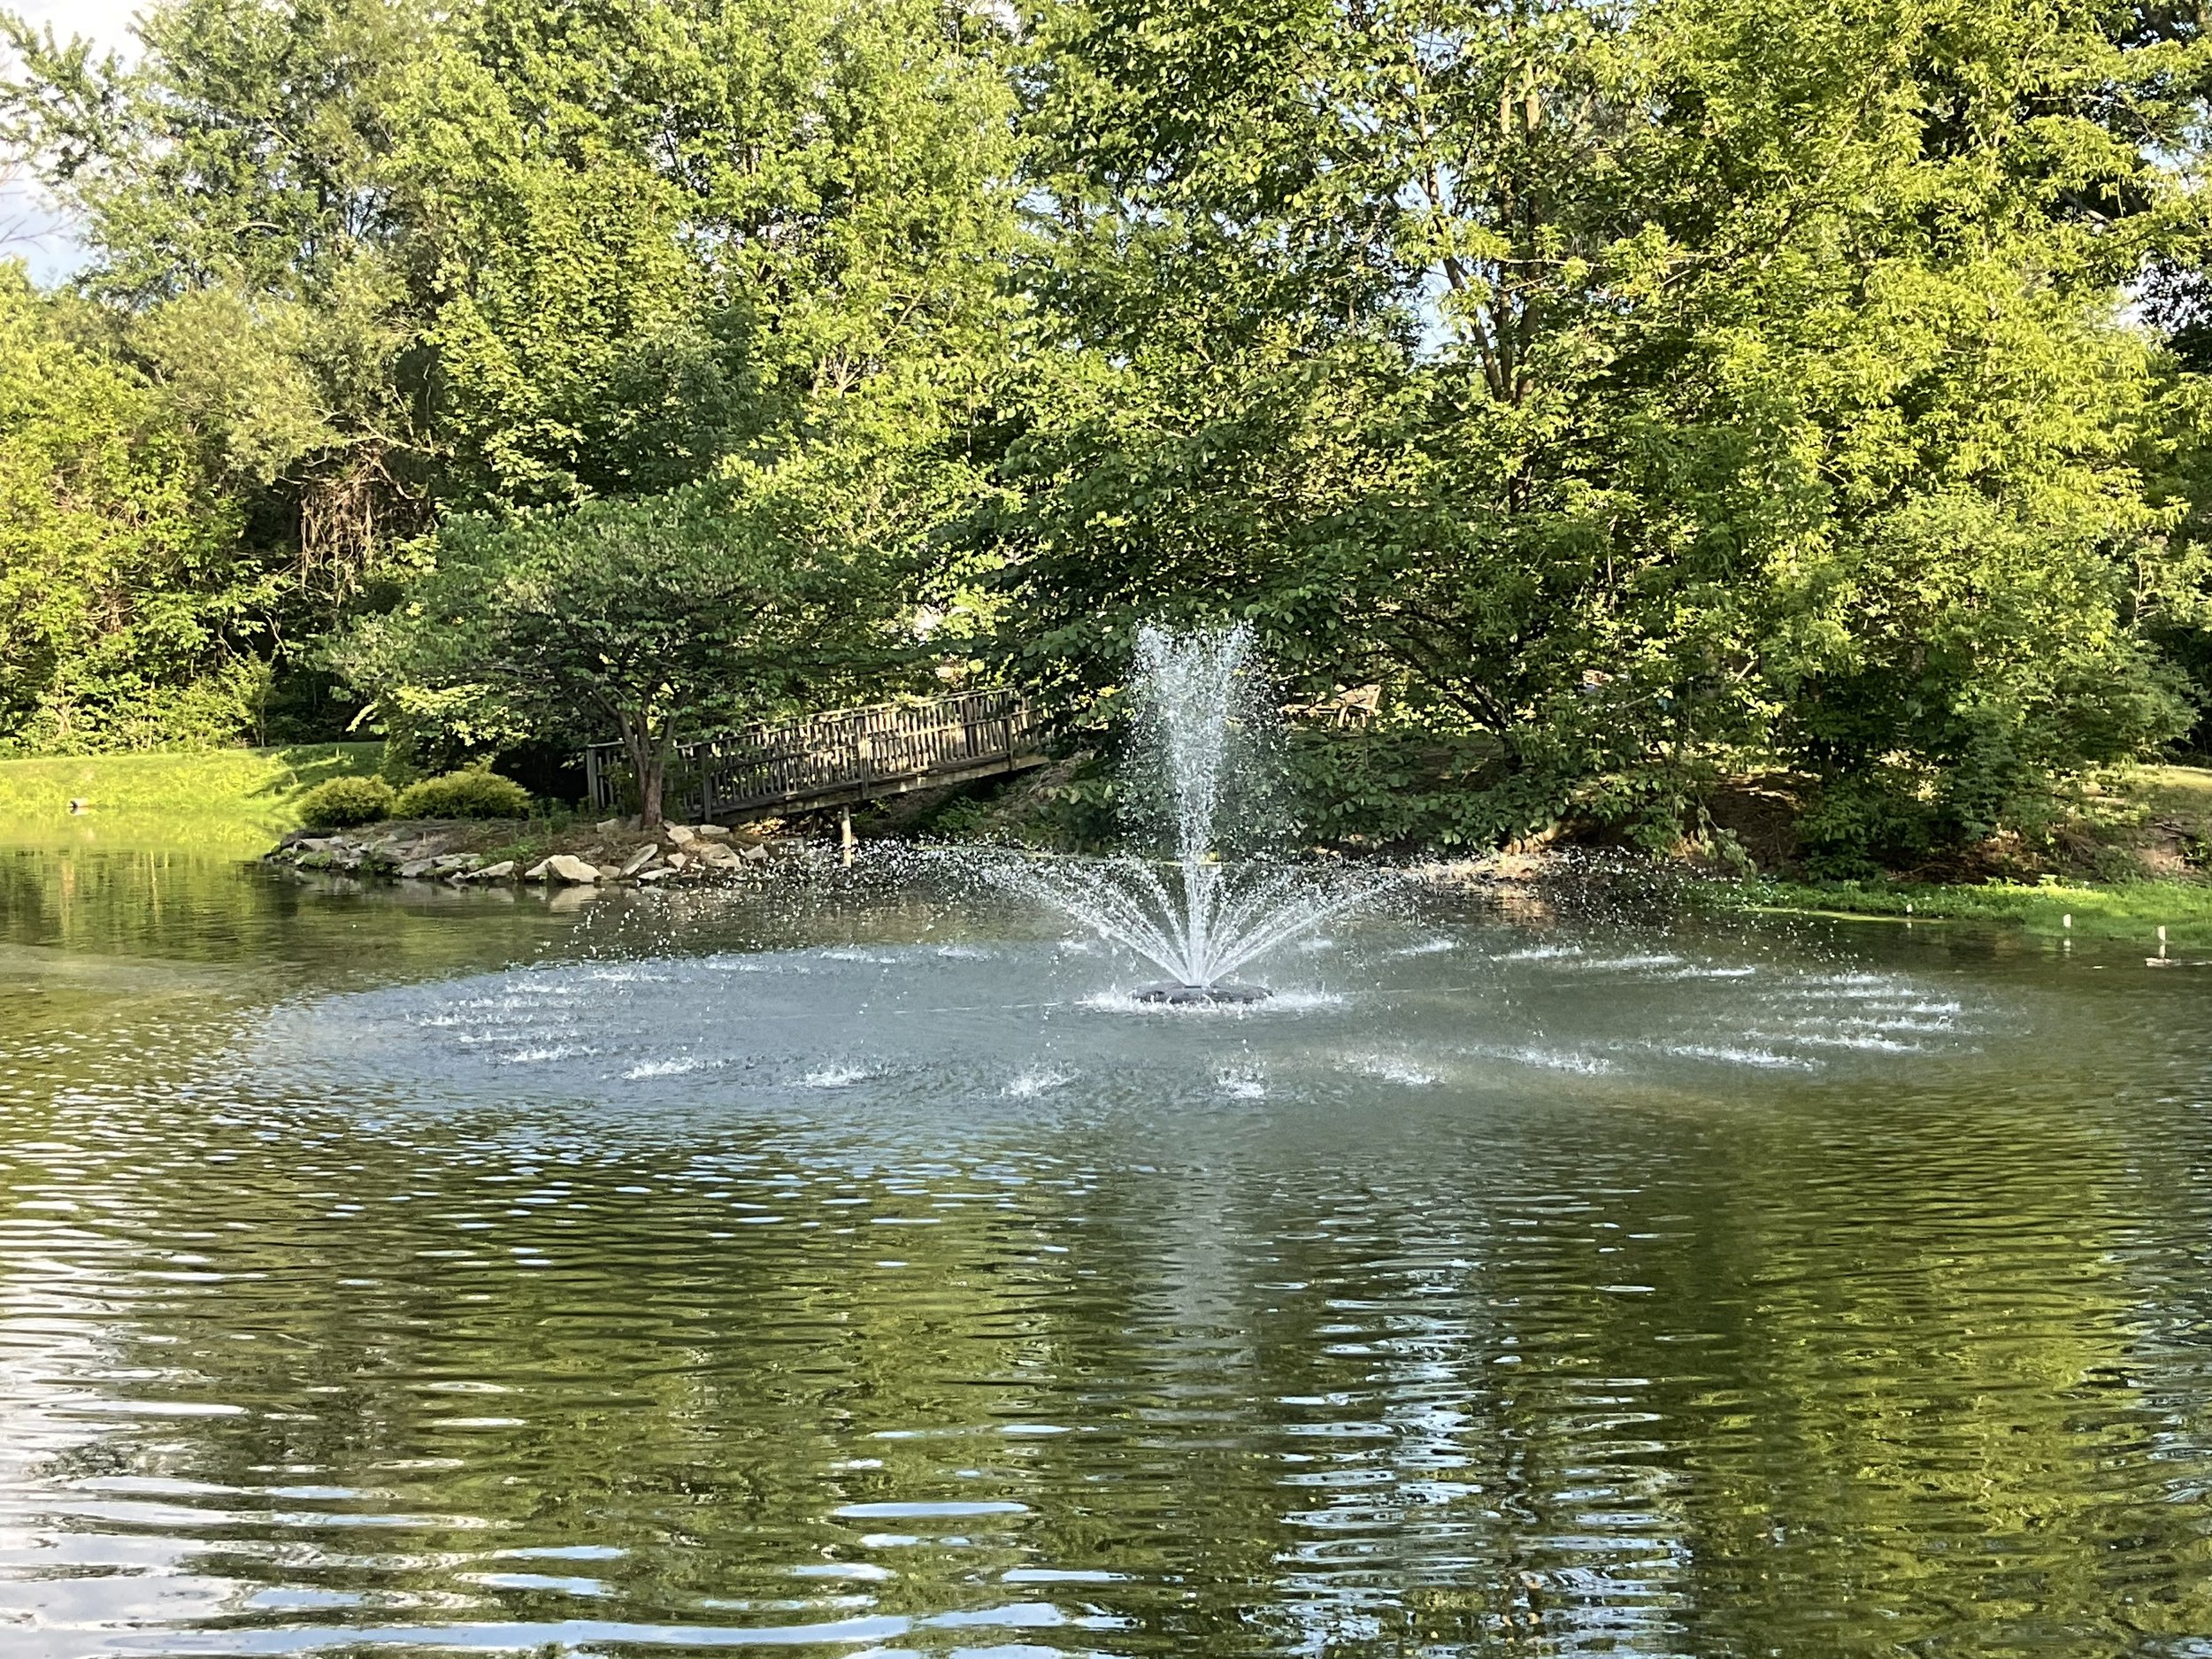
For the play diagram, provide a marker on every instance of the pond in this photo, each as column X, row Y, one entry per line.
column 856, row 1269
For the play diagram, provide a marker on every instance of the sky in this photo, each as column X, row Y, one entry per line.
column 38, row 236
column 105, row 20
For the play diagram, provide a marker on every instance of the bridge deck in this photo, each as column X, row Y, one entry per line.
column 837, row 758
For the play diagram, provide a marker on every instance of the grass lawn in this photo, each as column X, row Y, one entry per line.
column 2124, row 910
column 223, row 800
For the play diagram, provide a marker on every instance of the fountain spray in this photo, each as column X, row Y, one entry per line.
column 1207, row 898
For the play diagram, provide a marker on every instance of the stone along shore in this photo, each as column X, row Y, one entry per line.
column 614, row 852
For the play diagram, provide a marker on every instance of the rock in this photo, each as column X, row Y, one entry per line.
column 609, row 826
column 447, row 863
column 677, row 861
column 712, row 833
column 566, row 867
column 415, row 869
column 659, row 873
column 538, row 871
column 755, row 854
column 677, row 834
column 499, row 872
column 719, row 858
column 608, row 873
column 639, row 859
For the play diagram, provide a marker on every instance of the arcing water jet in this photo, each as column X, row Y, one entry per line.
column 1201, row 905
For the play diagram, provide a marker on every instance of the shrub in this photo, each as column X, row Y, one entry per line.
column 342, row 803
column 465, row 794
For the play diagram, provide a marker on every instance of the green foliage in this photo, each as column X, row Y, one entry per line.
column 1666, row 394
column 343, row 803
column 125, row 613
column 230, row 180
column 639, row 618
column 1647, row 398
column 661, row 235
column 372, row 255
column 470, row 793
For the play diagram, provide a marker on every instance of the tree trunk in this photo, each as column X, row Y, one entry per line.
column 649, row 763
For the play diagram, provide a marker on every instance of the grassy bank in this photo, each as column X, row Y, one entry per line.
column 2124, row 910
column 2131, row 851
column 220, row 800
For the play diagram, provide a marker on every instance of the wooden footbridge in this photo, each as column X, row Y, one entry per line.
column 836, row 759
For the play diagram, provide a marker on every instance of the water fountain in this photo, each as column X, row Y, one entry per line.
column 1208, row 895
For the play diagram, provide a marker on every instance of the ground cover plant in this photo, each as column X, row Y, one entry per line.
column 343, row 803
column 472, row 793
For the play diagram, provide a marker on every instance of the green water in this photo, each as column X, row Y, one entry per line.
column 853, row 1272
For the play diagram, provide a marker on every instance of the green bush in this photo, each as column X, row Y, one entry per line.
column 342, row 803
column 463, row 794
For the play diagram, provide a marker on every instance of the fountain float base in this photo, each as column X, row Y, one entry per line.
column 1225, row 993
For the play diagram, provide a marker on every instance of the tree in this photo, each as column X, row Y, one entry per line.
column 389, row 261
column 644, row 617
column 128, row 618
column 1660, row 393
column 647, row 236
column 241, row 165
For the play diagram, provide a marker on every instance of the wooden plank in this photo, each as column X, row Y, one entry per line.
column 846, row 755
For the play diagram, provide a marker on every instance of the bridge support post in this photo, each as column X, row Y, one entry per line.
column 845, row 840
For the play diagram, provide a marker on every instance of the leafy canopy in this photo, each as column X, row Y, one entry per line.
column 121, row 606
column 1647, row 396
column 632, row 618
column 389, row 262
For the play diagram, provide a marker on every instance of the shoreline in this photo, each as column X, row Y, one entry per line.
column 234, row 803
column 2051, row 908
column 464, row 852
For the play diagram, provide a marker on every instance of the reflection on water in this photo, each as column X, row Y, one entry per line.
column 870, row 1275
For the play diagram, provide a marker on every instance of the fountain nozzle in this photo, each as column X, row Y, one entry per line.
column 1225, row 993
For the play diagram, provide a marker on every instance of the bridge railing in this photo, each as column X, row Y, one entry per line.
column 847, row 754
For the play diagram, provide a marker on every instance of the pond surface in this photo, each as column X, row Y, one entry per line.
column 858, row 1273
